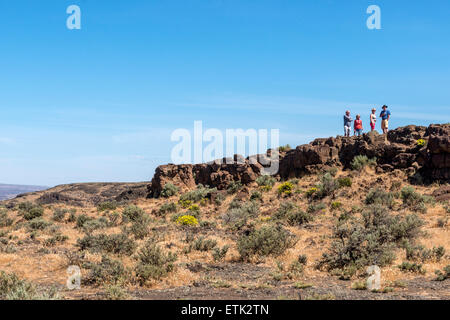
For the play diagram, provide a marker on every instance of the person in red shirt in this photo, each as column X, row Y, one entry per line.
column 358, row 125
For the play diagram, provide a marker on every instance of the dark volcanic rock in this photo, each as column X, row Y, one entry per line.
column 399, row 149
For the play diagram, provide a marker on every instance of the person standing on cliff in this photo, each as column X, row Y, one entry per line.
column 373, row 119
column 358, row 126
column 385, row 115
column 347, row 124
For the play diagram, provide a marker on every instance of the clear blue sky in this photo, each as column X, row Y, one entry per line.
column 100, row 103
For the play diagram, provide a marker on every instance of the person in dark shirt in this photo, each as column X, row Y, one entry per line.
column 347, row 124
column 385, row 115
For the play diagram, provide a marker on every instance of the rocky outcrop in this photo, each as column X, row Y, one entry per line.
column 399, row 149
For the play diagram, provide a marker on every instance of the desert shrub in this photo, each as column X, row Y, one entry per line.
column 82, row 219
column 114, row 218
column 284, row 209
column 194, row 210
column 133, row 213
column 5, row 220
column 415, row 200
column 256, row 195
column 441, row 276
column 26, row 206
column 115, row 243
column 379, row 196
column 344, row 182
column 94, row 224
column 140, row 229
column 411, row 267
column 266, row 181
column 13, row 288
column 38, row 224
column 333, row 171
column 298, row 218
column 311, row 192
column 107, row 205
column 268, row 240
column 370, row 239
column 420, row 253
column 187, row 220
column 284, row 148
column 203, row 244
column 336, row 205
column 220, row 253
column 233, row 187
column 115, row 292
column 107, row 270
column 359, row 285
column 153, row 263
column 185, row 203
column 58, row 238
column 315, row 208
column 33, row 212
column 285, row 188
column 360, row 162
column 239, row 214
column 219, row 198
column 60, row 213
column 196, row 195
column 169, row 190
column 326, row 187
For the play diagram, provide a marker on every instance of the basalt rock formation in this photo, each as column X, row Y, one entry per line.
column 401, row 148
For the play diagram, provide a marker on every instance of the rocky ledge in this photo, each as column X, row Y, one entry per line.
column 402, row 148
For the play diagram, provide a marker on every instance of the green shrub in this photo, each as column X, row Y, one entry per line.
column 38, row 224
column 268, row 240
column 34, row 212
column 107, row 270
column 256, row 195
column 220, row 253
column 5, row 220
column 115, row 243
column 336, row 205
column 94, row 224
column 420, row 253
column 370, row 240
column 239, row 214
column 315, row 208
column 311, row 192
column 234, row 186
column 327, row 186
column 196, row 195
column 360, row 162
column 298, row 218
column 266, row 181
column 379, row 196
column 345, row 182
column 411, row 267
column 284, row 148
column 203, row 244
column 441, row 276
column 60, row 213
column 133, row 213
column 140, row 229
column 107, row 205
column 284, row 209
column 153, row 263
column 13, row 288
column 59, row 238
column 169, row 190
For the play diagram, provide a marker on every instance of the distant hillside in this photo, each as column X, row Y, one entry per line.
column 9, row 191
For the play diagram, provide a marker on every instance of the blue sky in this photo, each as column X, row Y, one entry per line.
column 100, row 103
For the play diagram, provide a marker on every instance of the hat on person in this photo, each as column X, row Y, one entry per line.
column 385, row 106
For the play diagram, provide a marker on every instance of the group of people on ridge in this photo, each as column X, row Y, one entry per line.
column 385, row 115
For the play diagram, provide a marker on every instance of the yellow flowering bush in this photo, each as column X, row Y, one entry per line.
column 285, row 188
column 311, row 191
column 421, row 142
column 185, row 203
column 187, row 220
